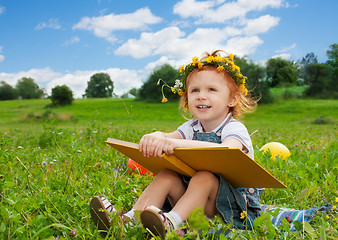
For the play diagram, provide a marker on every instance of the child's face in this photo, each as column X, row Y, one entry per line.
column 209, row 97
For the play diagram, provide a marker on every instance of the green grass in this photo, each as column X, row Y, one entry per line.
column 53, row 160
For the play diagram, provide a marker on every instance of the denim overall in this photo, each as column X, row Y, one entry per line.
column 230, row 201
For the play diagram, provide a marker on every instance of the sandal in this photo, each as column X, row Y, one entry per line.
column 157, row 222
column 99, row 208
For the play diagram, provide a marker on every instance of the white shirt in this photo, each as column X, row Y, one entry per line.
column 229, row 128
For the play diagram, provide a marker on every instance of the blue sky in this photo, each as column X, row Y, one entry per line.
column 60, row 42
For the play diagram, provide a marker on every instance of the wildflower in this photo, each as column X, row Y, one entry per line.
column 220, row 68
column 289, row 219
column 44, row 163
column 164, row 100
column 178, row 84
column 200, row 65
column 173, row 89
column 210, row 59
column 181, row 68
column 180, row 92
column 218, row 58
column 194, row 60
column 243, row 215
column 334, row 207
column 336, row 199
column 231, row 56
column 327, row 216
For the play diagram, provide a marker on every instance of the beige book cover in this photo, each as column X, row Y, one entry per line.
column 233, row 164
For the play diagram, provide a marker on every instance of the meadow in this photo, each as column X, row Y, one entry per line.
column 54, row 160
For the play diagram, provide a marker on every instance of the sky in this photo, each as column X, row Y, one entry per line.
column 59, row 42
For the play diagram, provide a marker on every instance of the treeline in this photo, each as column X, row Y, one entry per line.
column 318, row 79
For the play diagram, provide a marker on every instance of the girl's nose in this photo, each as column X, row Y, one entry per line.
column 202, row 96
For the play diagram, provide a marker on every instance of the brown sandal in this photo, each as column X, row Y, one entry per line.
column 99, row 208
column 157, row 222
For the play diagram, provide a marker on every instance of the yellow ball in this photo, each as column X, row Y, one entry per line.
column 276, row 149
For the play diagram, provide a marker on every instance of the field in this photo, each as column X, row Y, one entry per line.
column 53, row 160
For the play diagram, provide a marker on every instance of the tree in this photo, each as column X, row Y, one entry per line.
column 281, row 72
column 28, row 89
column 332, row 61
column 7, row 92
column 256, row 79
column 317, row 77
column 62, row 95
column 151, row 92
column 100, row 86
column 309, row 59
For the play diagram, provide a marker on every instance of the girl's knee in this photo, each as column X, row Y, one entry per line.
column 205, row 178
column 168, row 175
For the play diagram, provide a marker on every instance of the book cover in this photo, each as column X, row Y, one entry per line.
column 233, row 164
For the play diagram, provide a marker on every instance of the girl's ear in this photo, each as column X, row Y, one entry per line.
column 233, row 100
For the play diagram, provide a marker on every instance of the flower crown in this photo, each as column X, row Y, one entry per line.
column 221, row 63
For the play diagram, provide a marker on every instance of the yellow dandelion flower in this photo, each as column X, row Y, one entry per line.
column 180, row 92
column 181, row 68
column 194, row 60
column 336, row 199
column 210, row 59
column 239, row 75
column 334, row 207
column 237, row 68
column 218, row 58
column 200, row 65
column 327, row 217
column 164, row 100
column 173, row 89
column 231, row 56
column 220, row 68
column 245, row 91
column 241, row 87
column 243, row 215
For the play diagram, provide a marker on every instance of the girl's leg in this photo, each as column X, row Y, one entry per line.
column 166, row 184
column 202, row 192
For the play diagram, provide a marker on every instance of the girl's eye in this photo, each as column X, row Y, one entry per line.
column 194, row 90
column 212, row 89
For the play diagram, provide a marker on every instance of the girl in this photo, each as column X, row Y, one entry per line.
column 213, row 92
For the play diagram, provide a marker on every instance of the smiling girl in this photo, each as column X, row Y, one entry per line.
column 214, row 93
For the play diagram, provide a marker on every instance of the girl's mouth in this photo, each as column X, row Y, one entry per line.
column 203, row 106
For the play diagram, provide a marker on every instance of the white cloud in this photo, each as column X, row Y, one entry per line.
column 124, row 79
column 285, row 56
column 2, row 57
column 2, row 10
column 286, row 48
column 243, row 45
column 162, row 60
column 71, row 41
column 213, row 11
column 171, row 42
column 260, row 25
column 150, row 42
column 52, row 23
column 104, row 26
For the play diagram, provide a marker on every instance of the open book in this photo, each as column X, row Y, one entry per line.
column 233, row 164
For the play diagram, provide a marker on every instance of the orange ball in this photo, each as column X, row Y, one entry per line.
column 134, row 166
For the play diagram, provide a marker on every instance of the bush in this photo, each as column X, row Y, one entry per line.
column 62, row 95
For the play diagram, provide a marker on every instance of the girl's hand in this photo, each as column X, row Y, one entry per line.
column 155, row 144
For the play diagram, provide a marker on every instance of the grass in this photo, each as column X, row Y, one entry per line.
column 52, row 161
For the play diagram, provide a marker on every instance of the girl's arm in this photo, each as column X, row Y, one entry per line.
column 157, row 143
